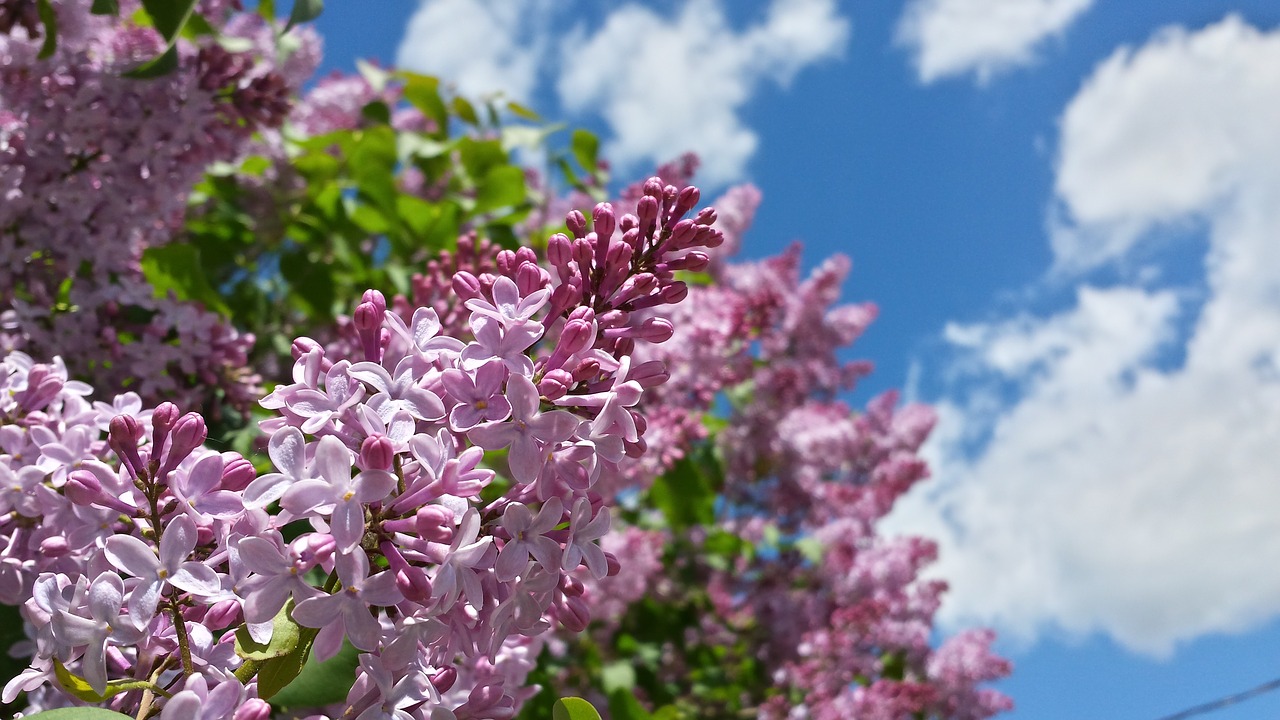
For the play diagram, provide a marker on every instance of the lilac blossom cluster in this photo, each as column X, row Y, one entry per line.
column 95, row 168
column 806, row 479
column 432, row 502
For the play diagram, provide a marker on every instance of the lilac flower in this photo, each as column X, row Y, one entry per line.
column 480, row 398
column 197, row 702
column 413, row 688
column 338, row 494
column 495, row 340
column 288, row 452
column 104, row 626
column 465, row 558
column 340, row 393
column 276, row 578
column 583, row 531
column 508, row 307
column 198, row 494
column 529, row 433
column 398, row 392
column 347, row 610
column 528, row 537
column 17, row 489
column 135, row 557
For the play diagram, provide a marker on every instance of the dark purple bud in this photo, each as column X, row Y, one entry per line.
column 685, row 200
column 189, row 433
column 314, row 549
column 611, row 561
column 204, row 535
column 647, row 212
column 572, row 586
column 575, row 337
column 377, row 452
column 414, row 585
column 653, row 188
column 577, row 223
column 42, row 387
column 54, row 547
column 555, row 384
column 237, row 473
column 466, row 286
column 304, row 345
column 694, row 262
column 705, row 216
column 583, row 254
column 162, row 420
column 682, row 235
column 530, row 278
column 507, row 263
column 587, row 370
column 603, row 221
column 442, row 680
column 559, row 250
column 376, row 298
column 434, row 523
column 222, row 615
column 253, row 709
column 573, row 614
column 526, row 255
column 82, row 487
column 649, row 374
column 123, row 439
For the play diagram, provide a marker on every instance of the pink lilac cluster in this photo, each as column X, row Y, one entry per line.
column 94, row 170
column 801, row 465
column 437, row 493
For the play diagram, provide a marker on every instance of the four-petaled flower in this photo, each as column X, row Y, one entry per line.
column 135, row 557
column 337, row 493
column 347, row 611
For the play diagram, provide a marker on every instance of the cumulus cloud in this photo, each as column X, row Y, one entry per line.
column 663, row 84
column 483, row 46
column 954, row 37
column 681, row 83
column 1126, row 477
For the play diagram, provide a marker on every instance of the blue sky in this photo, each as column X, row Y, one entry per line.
column 1068, row 212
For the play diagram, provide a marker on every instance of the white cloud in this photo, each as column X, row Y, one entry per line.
column 954, row 37
column 664, row 85
column 1130, row 482
column 671, row 85
column 483, row 46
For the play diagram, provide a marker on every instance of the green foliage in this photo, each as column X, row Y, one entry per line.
column 573, row 708
column 50, row 20
column 80, row 688
column 178, row 269
column 304, row 11
column 686, row 494
column 320, row 683
column 285, row 634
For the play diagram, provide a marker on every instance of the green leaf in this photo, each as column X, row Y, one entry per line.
column 303, row 11
column 465, row 110
column 524, row 112
column 81, row 688
column 573, row 708
column 177, row 267
column 586, row 148
column 624, row 706
column 320, row 683
column 168, row 17
column 78, row 713
column 105, row 7
column 503, row 186
column 619, row 675
column 50, row 19
column 284, row 637
column 685, row 494
column 267, row 9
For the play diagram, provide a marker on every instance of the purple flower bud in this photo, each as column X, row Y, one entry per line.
column 54, row 547
column 583, row 254
column 649, row 374
column 707, row 216
column 82, row 487
column 43, row 385
column 189, row 433
column 685, row 201
column 376, row 298
column 603, row 222
column 587, row 370
column 647, row 212
column 442, row 680
column 466, row 286
column 123, row 439
column 506, row 263
column 377, row 452
column 574, row 337
column 573, row 614
column 162, row 420
column 435, row 523
column 624, row 346
column 222, row 615
column 253, row 709
column 204, row 535
column 525, row 256
column 682, row 235
column 314, row 549
column 611, row 561
column 555, row 384
column 237, row 473
column 572, row 586
column 577, row 223
column 413, row 584
column 559, row 250
column 530, row 278
column 653, row 188
column 694, row 262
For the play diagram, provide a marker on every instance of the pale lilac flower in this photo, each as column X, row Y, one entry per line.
column 337, row 493
column 319, row 408
column 104, row 626
column 17, row 489
column 288, row 452
column 528, row 537
column 197, row 702
column 530, row 433
column 581, row 547
column 277, row 576
column 508, row 344
column 347, row 610
column 458, row 571
column 135, row 557
column 198, row 493
column 412, row 688
column 398, row 392
column 508, row 307
column 480, row 399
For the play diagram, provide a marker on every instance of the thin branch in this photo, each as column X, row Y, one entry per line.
column 1220, row 703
